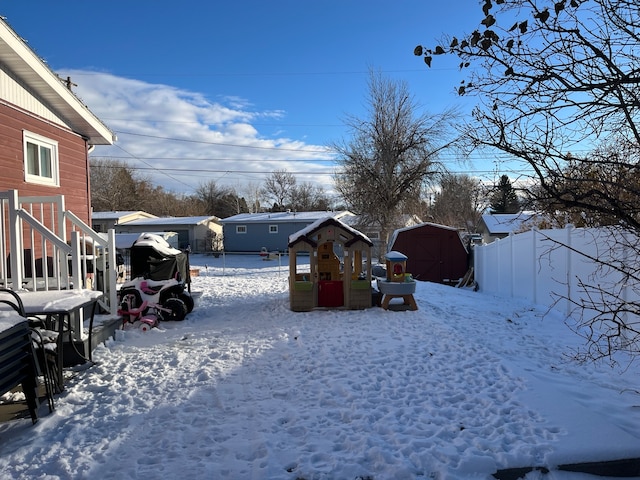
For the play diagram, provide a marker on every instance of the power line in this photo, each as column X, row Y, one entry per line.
column 151, row 167
column 449, row 161
column 220, row 143
column 194, row 122
column 216, row 159
column 498, row 155
column 306, row 172
column 265, row 74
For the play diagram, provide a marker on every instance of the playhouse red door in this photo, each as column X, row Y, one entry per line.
column 330, row 293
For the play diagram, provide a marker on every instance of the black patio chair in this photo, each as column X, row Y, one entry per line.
column 45, row 359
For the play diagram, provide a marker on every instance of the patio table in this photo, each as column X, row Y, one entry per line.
column 64, row 312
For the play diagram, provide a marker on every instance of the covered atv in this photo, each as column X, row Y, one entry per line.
column 160, row 283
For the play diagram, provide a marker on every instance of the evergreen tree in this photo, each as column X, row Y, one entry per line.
column 504, row 198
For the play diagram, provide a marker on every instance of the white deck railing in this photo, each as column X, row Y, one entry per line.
column 37, row 255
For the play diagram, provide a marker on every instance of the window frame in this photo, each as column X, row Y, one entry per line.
column 273, row 229
column 241, row 229
column 54, row 164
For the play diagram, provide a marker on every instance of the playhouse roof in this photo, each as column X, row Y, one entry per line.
column 305, row 233
column 395, row 256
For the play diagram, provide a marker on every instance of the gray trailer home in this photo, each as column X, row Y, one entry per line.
column 253, row 232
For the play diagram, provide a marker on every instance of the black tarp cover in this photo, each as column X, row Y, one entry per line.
column 153, row 258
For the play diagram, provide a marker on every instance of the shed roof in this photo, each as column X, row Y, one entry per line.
column 395, row 234
column 23, row 62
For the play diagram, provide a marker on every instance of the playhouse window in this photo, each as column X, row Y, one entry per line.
column 273, row 228
column 302, row 267
column 241, row 229
column 40, row 159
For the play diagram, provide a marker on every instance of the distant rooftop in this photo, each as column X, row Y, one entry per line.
column 115, row 215
column 173, row 221
column 281, row 217
column 505, row 223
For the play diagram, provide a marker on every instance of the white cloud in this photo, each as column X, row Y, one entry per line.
column 180, row 139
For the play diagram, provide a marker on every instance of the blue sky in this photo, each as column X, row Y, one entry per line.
column 230, row 91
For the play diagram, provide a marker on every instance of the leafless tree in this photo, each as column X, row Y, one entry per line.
column 113, row 186
column 116, row 186
column 220, row 201
column 558, row 85
column 458, row 202
column 308, row 197
column 391, row 155
column 279, row 187
column 253, row 193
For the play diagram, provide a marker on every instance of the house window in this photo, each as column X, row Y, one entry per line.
column 40, row 159
column 273, row 228
column 241, row 229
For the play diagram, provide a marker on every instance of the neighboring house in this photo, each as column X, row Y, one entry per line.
column 500, row 225
column 46, row 131
column 124, row 241
column 200, row 234
column 435, row 252
column 103, row 221
column 250, row 232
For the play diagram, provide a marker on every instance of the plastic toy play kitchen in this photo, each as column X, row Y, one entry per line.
column 398, row 283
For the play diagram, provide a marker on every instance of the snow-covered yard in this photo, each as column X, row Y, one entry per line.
column 244, row 388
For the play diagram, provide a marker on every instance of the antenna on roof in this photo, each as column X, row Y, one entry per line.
column 69, row 83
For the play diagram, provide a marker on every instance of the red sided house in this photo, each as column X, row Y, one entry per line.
column 46, row 134
column 435, row 252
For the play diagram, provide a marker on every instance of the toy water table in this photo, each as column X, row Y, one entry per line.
column 398, row 283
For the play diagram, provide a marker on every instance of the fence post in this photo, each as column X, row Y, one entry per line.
column 477, row 269
column 569, row 229
column 534, row 241
column 625, row 290
column 511, row 266
column 113, row 274
column 15, row 245
column 76, row 272
column 58, row 201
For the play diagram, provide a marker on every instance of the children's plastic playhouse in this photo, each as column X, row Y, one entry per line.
column 323, row 280
column 398, row 283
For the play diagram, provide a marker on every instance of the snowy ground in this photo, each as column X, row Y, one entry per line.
column 244, row 388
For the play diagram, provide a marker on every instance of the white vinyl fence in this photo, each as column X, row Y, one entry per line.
column 560, row 268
